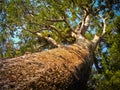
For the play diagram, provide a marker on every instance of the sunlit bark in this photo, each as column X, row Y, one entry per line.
column 57, row 69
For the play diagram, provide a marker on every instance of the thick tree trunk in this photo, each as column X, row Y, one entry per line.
column 65, row 68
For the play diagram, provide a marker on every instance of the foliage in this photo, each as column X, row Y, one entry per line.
column 110, row 77
column 111, row 74
column 24, row 18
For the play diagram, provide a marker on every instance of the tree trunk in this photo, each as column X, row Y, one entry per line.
column 65, row 68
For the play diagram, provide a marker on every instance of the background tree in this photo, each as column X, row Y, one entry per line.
column 110, row 77
column 46, row 24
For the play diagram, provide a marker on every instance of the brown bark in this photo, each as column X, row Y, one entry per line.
column 64, row 68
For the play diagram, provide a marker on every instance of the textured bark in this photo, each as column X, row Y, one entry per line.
column 65, row 68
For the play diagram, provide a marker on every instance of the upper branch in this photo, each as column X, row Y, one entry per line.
column 104, row 26
column 96, row 38
column 82, row 28
column 67, row 23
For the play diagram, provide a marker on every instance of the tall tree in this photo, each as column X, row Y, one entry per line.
column 76, row 27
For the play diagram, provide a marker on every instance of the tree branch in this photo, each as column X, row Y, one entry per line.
column 84, row 25
column 49, row 39
column 69, row 26
column 59, row 33
column 56, row 20
column 67, row 23
column 96, row 38
column 42, row 29
column 57, row 30
column 104, row 26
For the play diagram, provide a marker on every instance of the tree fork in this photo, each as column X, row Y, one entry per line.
column 65, row 68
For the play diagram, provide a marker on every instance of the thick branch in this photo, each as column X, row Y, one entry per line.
column 83, row 26
column 49, row 39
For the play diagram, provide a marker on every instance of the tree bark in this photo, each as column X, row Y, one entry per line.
column 63, row 68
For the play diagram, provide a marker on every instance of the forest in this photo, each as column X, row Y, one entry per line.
column 59, row 44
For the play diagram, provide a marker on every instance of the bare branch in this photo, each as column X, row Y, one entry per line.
column 104, row 26
column 52, row 41
column 49, row 39
column 96, row 38
column 84, row 25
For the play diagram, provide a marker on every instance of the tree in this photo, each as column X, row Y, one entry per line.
column 112, row 72
column 7, row 48
column 75, row 27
